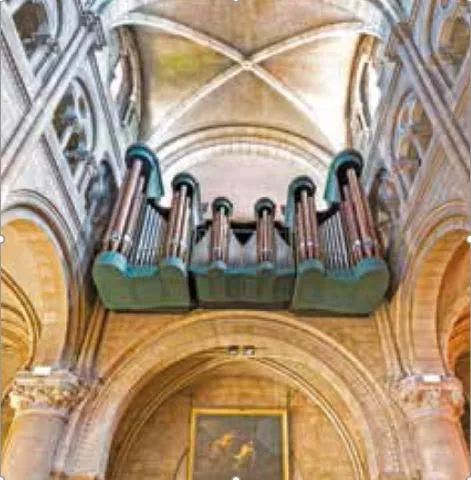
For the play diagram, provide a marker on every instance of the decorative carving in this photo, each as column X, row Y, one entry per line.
column 421, row 397
column 61, row 391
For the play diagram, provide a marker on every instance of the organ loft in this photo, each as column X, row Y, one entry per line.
column 235, row 239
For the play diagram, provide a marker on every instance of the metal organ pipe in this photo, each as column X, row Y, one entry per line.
column 128, row 237
column 306, row 226
column 358, row 205
column 114, row 214
column 179, row 222
column 265, row 234
column 219, row 232
column 355, row 240
column 129, row 191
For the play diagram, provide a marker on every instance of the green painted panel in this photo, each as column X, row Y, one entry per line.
column 250, row 286
column 124, row 287
column 358, row 290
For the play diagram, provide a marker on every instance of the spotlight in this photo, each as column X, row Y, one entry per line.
column 249, row 350
column 233, row 350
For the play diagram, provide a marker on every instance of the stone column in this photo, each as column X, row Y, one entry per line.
column 433, row 405
column 42, row 405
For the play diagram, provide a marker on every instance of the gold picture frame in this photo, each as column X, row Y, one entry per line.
column 237, row 438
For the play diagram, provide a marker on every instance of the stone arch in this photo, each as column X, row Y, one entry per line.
column 92, row 429
column 74, row 121
column 372, row 12
column 125, row 78
column 434, row 244
column 448, row 38
column 38, row 26
column 185, row 377
column 38, row 227
column 20, row 332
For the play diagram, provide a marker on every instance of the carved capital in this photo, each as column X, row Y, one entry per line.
column 58, row 392
column 423, row 397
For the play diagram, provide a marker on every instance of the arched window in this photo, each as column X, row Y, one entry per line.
column 451, row 36
column 365, row 92
column 75, row 127
column 412, row 134
column 37, row 24
column 124, row 77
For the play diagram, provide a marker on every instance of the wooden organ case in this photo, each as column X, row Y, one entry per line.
column 157, row 258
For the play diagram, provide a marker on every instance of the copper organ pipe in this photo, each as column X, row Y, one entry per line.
column 265, row 235
column 300, row 240
column 270, row 237
column 261, row 237
column 215, row 233
column 226, row 238
column 222, row 234
column 342, row 240
column 114, row 215
column 180, row 220
column 183, row 243
column 171, row 223
column 307, row 224
column 129, row 191
column 314, row 229
column 360, row 212
column 355, row 241
column 128, row 237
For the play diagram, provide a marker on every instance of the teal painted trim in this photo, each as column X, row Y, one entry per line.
column 358, row 290
column 125, row 287
column 337, row 173
column 154, row 185
column 301, row 182
column 262, row 285
column 263, row 203
column 224, row 203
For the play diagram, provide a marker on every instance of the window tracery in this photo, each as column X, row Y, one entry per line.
column 37, row 25
column 74, row 124
column 124, row 77
column 412, row 135
column 451, row 36
column 365, row 91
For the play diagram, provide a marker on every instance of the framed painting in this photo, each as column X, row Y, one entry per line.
column 238, row 444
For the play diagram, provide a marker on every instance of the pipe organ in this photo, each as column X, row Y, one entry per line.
column 157, row 258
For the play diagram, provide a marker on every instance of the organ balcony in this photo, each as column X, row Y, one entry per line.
column 164, row 259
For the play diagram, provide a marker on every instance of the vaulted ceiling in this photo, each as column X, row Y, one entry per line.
column 246, row 74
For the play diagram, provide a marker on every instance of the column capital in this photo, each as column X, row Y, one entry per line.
column 59, row 392
column 430, row 395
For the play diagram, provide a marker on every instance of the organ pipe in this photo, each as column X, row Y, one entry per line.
column 306, row 226
column 128, row 237
column 115, row 213
column 352, row 227
column 179, row 223
column 129, row 192
column 220, row 229
column 359, row 208
column 265, row 233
